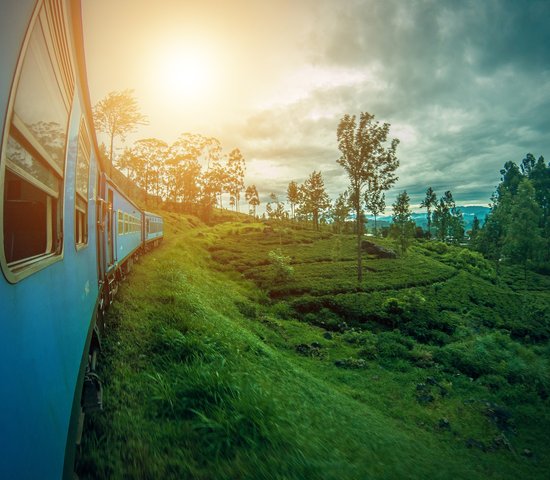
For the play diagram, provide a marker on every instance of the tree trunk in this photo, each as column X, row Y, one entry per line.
column 359, row 256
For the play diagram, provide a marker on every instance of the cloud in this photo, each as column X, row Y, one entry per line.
column 464, row 85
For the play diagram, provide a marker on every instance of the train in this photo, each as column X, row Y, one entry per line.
column 68, row 236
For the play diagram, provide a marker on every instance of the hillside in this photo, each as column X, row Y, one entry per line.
column 221, row 362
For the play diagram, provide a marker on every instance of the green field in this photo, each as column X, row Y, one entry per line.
column 218, row 366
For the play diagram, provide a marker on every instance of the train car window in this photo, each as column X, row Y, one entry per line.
column 35, row 149
column 120, row 223
column 81, row 185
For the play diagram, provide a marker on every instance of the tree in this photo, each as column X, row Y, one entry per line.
column 293, row 197
column 494, row 235
column 402, row 228
column 490, row 239
column 375, row 202
column 116, row 115
column 145, row 161
column 313, row 197
column 430, row 201
column 217, row 179
column 448, row 219
column 539, row 175
column 365, row 158
column 235, row 174
column 523, row 239
column 474, row 232
column 340, row 211
column 510, row 179
column 275, row 210
column 252, row 197
column 456, row 226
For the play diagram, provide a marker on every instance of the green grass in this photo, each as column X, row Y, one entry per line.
column 422, row 371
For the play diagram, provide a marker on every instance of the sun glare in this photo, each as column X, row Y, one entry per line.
column 186, row 74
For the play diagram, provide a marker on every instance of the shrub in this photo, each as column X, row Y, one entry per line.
column 282, row 310
column 280, row 266
column 472, row 262
column 393, row 345
column 437, row 247
column 497, row 354
column 351, row 363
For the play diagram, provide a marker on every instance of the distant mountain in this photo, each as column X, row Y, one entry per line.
column 420, row 217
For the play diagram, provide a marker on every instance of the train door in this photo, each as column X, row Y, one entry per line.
column 110, row 233
column 99, row 224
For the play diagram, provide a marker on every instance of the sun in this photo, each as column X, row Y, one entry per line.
column 186, row 74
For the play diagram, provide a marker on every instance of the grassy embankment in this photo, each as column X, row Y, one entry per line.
column 432, row 369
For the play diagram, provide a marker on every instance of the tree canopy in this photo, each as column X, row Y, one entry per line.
column 368, row 161
column 116, row 115
column 313, row 197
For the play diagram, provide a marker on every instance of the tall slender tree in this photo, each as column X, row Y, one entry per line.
column 365, row 156
column 523, row 240
column 314, row 199
column 340, row 211
column 293, row 197
column 375, row 203
column 235, row 172
column 252, row 197
column 275, row 209
column 146, row 160
column 117, row 115
column 474, row 232
column 402, row 227
column 430, row 201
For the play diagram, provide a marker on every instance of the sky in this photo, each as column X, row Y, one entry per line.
column 465, row 85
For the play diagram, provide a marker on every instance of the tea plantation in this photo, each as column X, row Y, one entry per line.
column 245, row 350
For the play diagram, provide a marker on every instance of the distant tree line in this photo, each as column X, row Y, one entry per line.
column 193, row 174
column 445, row 220
column 518, row 226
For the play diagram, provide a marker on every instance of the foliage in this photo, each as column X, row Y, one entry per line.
column 433, row 368
column 280, row 266
column 116, row 115
column 275, row 210
column 448, row 220
column 145, row 163
column 252, row 197
column 430, row 201
column 523, row 241
column 293, row 197
column 340, row 211
column 367, row 162
column 402, row 228
column 375, row 201
column 235, row 176
column 313, row 198
column 521, row 209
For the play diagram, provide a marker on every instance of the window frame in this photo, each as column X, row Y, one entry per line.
column 84, row 145
column 51, row 18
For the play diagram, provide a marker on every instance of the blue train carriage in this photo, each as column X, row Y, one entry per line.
column 153, row 230
column 49, row 172
column 127, row 226
column 120, row 223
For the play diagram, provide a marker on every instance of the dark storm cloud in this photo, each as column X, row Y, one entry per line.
column 465, row 85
